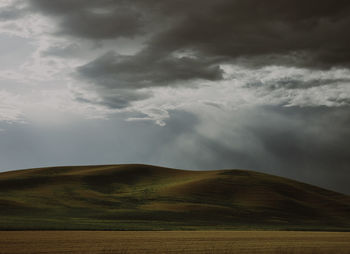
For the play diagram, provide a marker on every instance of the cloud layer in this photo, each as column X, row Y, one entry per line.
column 308, row 32
column 186, row 43
column 237, row 83
column 179, row 44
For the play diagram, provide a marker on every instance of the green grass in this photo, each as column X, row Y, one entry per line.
column 141, row 197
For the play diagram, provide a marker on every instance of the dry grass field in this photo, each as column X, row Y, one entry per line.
column 252, row 242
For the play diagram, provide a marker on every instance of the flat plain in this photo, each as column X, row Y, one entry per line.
column 130, row 242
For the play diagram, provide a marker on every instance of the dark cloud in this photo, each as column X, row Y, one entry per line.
column 118, row 78
column 342, row 101
column 93, row 19
column 307, row 30
column 114, row 98
column 147, row 69
column 187, row 41
column 295, row 83
column 308, row 33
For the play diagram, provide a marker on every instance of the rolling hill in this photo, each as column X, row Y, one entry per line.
column 142, row 197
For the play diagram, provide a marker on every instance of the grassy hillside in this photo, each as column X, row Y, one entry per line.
column 141, row 197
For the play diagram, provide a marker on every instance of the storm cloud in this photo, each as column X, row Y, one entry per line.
column 147, row 70
column 306, row 31
column 262, row 85
column 205, row 34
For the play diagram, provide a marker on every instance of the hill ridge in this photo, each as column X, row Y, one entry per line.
column 145, row 197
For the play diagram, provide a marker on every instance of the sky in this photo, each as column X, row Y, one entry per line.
column 200, row 84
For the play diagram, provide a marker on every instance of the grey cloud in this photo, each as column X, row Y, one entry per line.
column 309, row 34
column 93, row 19
column 295, row 83
column 118, row 78
column 147, row 70
column 115, row 98
column 307, row 31
column 120, row 23
column 341, row 101
column 11, row 13
column 71, row 50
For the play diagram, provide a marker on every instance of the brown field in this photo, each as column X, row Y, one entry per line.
column 174, row 242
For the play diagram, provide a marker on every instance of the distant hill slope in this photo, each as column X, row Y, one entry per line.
column 141, row 197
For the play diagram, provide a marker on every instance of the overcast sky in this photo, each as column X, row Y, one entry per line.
column 200, row 84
